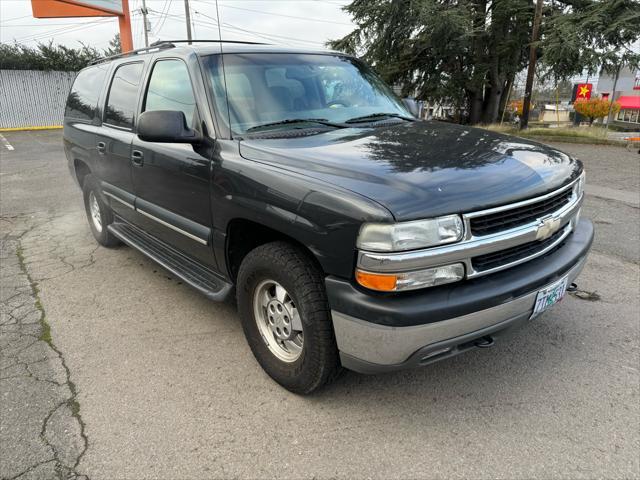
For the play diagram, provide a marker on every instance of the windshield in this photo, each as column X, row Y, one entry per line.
column 270, row 88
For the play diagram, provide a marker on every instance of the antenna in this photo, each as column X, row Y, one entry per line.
column 224, row 73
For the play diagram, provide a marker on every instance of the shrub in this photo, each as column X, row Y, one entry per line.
column 595, row 108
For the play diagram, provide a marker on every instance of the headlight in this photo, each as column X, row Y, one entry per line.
column 578, row 188
column 397, row 237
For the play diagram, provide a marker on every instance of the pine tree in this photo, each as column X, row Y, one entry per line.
column 467, row 52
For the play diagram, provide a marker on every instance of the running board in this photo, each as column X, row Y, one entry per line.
column 201, row 278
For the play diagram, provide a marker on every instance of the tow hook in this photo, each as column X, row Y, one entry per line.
column 485, row 342
column 572, row 288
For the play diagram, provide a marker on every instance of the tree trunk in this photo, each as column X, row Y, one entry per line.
column 475, row 107
column 492, row 103
column 504, row 98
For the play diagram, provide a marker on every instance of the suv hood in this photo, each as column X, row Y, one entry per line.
column 422, row 169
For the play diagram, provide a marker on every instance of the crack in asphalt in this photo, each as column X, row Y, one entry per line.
column 24, row 330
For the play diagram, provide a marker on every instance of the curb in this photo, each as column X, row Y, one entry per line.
column 583, row 140
column 27, row 129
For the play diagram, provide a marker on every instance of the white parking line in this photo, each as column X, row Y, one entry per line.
column 6, row 143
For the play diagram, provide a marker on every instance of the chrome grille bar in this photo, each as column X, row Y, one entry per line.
column 473, row 246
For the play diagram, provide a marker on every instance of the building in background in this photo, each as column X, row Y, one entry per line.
column 627, row 93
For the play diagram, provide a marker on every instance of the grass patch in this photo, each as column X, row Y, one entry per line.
column 45, row 333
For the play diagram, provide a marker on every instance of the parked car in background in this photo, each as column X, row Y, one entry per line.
column 350, row 233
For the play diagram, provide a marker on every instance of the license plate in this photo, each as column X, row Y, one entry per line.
column 549, row 296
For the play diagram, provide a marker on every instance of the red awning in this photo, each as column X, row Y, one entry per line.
column 629, row 101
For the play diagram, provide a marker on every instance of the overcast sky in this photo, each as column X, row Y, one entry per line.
column 302, row 23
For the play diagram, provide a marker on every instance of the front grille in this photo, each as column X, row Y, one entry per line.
column 515, row 217
column 488, row 261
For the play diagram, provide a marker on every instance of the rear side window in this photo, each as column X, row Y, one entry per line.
column 83, row 98
column 170, row 89
column 123, row 95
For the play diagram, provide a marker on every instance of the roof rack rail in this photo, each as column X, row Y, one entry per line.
column 151, row 48
column 164, row 44
column 246, row 42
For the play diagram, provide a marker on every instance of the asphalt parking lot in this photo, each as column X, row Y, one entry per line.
column 110, row 368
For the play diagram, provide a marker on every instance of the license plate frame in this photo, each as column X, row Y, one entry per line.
column 549, row 296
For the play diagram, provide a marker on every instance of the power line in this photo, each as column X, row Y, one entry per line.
column 63, row 31
column 282, row 15
column 228, row 26
column 263, row 34
column 17, row 18
column 35, row 25
column 163, row 15
column 231, row 29
column 48, row 33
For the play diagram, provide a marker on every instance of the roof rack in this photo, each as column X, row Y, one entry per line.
column 246, row 42
column 164, row 44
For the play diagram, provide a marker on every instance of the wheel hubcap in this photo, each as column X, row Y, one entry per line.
column 278, row 320
column 94, row 208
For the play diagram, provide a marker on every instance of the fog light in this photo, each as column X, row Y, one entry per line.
column 429, row 277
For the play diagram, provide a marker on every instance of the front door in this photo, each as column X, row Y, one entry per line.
column 171, row 180
column 114, row 137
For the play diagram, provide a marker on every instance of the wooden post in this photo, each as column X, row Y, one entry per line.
column 145, row 22
column 124, row 20
column 187, row 15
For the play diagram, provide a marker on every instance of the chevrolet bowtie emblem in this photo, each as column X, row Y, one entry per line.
column 547, row 227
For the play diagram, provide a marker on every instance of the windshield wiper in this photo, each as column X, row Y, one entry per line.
column 374, row 117
column 288, row 121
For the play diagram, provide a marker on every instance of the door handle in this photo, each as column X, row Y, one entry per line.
column 137, row 158
column 101, row 147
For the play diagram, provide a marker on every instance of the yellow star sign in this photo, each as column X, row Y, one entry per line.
column 584, row 91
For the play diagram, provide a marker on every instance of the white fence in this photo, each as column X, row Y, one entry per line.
column 30, row 98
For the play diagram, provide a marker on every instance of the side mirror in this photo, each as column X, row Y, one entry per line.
column 412, row 106
column 166, row 126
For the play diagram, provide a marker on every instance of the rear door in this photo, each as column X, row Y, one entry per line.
column 114, row 137
column 81, row 116
column 171, row 180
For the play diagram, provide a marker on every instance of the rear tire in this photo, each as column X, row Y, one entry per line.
column 99, row 214
column 286, row 318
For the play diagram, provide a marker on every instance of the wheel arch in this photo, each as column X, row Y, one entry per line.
column 244, row 235
column 81, row 169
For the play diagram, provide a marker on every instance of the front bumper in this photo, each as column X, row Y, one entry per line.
column 402, row 331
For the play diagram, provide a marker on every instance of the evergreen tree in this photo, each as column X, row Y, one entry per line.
column 467, row 52
column 52, row 57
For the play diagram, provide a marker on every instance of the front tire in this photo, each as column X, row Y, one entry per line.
column 99, row 214
column 286, row 318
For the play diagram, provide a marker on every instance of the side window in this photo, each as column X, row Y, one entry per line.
column 170, row 89
column 83, row 98
column 122, row 98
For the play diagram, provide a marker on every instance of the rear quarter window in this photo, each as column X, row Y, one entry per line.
column 82, row 102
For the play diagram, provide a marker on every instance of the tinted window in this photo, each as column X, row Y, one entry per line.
column 122, row 99
column 83, row 98
column 170, row 89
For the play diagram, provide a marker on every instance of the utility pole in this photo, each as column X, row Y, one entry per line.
column 537, row 18
column 187, row 15
column 145, row 22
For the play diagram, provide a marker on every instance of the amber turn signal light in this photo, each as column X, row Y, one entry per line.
column 377, row 281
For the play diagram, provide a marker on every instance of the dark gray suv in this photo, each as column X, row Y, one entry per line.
column 350, row 233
